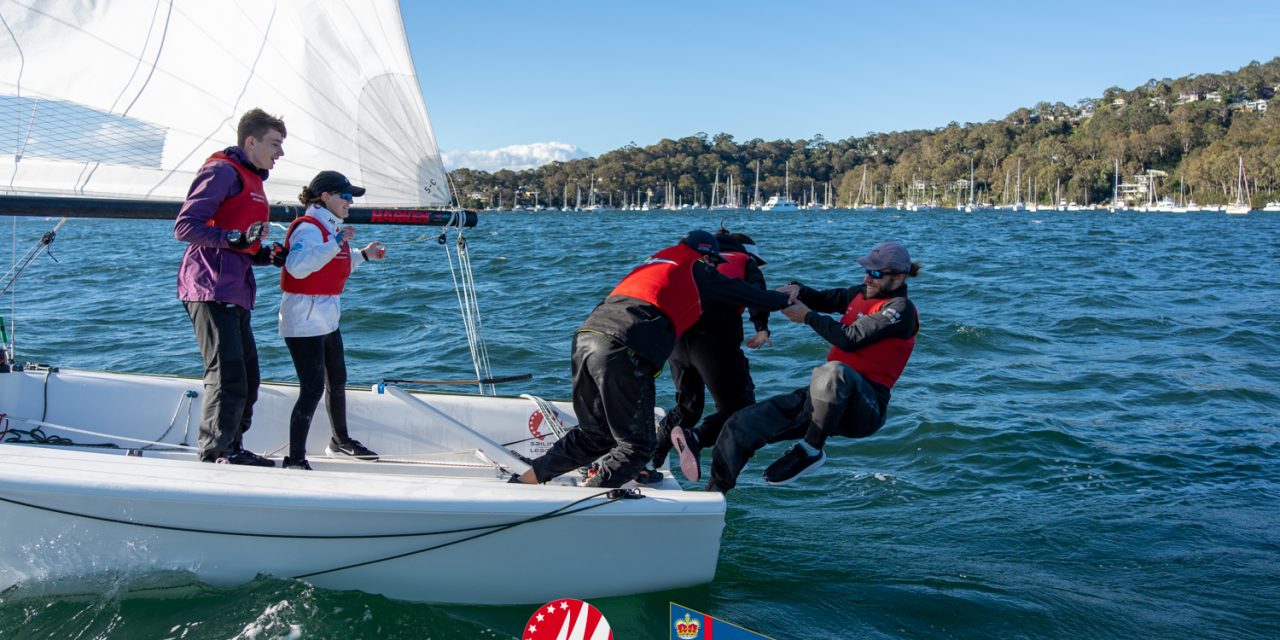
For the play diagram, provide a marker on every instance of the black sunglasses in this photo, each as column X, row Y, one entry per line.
column 877, row 274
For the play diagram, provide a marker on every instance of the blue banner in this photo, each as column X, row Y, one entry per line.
column 687, row 624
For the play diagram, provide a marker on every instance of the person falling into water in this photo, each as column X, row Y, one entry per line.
column 709, row 358
column 318, row 263
column 622, row 346
column 223, row 221
column 849, row 395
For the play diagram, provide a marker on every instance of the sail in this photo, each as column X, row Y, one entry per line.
column 122, row 98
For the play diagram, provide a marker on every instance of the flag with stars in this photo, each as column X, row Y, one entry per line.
column 567, row 619
column 687, row 624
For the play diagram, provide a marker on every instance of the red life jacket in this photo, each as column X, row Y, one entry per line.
column 880, row 362
column 734, row 266
column 330, row 279
column 665, row 281
column 244, row 208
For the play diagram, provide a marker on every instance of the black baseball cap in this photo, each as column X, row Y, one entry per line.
column 703, row 242
column 333, row 182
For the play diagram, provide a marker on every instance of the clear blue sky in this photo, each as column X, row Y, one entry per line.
column 600, row 74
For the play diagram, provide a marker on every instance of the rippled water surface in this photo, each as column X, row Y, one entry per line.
column 1085, row 443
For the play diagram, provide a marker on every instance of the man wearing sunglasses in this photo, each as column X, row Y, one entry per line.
column 849, row 395
column 623, row 346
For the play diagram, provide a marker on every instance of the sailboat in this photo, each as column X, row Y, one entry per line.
column 126, row 120
column 756, row 205
column 1241, row 205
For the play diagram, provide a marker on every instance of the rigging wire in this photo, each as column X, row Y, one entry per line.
column 464, row 287
column 10, row 278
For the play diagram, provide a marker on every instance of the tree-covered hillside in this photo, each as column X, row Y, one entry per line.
column 1193, row 129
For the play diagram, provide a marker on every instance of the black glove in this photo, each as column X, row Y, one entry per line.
column 241, row 241
column 278, row 253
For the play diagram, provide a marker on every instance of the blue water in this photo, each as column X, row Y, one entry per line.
column 1084, row 445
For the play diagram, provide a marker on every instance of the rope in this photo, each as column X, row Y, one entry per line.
column 614, row 495
column 58, row 440
column 464, row 287
column 554, row 513
column 186, row 397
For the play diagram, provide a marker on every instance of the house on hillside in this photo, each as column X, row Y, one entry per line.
column 1258, row 105
column 1184, row 98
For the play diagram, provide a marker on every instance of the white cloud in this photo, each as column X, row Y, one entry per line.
column 514, row 157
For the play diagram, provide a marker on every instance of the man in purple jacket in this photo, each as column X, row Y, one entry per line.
column 224, row 220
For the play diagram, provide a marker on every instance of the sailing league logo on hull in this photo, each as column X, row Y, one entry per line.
column 539, row 445
column 567, row 619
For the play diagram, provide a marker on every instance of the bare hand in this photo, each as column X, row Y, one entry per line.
column 347, row 234
column 792, row 291
column 760, row 339
column 796, row 312
column 375, row 250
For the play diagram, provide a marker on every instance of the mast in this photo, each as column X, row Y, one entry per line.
column 862, row 185
column 971, row 182
column 1115, row 191
column 756, row 202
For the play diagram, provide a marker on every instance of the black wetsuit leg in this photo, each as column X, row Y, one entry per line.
column 844, row 404
column 617, row 424
column 322, row 372
column 691, row 396
column 784, row 417
column 727, row 375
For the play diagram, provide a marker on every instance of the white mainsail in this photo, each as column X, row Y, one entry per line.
column 121, row 98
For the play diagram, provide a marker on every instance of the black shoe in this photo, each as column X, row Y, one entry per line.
column 664, row 445
column 290, row 463
column 793, row 464
column 249, row 458
column 350, row 449
column 649, row 476
column 687, row 446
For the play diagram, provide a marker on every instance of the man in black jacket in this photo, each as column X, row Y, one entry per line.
column 709, row 358
column 623, row 345
column 847, row 396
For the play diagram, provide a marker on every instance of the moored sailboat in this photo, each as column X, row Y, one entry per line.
column 1241, row 206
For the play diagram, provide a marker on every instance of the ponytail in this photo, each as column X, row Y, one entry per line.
column 308, row 197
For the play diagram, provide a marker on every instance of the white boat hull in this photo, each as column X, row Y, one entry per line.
column 376, row 527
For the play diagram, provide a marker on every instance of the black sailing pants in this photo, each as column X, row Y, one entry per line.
column 231, row 375
column 717, row 363
column 322, row 371
column 613, row 396
column 837, row 402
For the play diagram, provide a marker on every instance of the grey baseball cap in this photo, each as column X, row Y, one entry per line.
column 887, row 256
